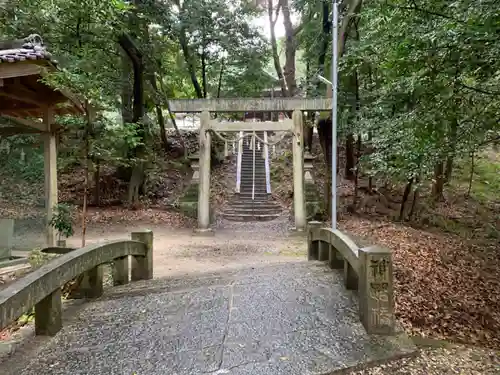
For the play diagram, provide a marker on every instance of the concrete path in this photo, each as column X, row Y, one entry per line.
column 293, row 318
column 244, row 301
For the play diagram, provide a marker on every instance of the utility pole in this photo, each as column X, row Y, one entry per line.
column 335, row 37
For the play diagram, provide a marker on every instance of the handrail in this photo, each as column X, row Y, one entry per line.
column 240, row 158
column 42, row 287
column 368, row 270
column 268, row 170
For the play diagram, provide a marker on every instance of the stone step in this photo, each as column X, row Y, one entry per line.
column 244, row 218
column 258, row 196
column 258, row 179
column 249, row 164
column 250, row 179
column 258, row 193
column 249, row 187
column 263, row 205
column 250, row 211
column 249, row 173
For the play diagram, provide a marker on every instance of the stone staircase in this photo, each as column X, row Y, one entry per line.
column 262, row 207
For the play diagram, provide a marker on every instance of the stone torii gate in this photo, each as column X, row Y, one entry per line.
column 205, row 106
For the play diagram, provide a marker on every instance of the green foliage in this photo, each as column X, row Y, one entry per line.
column 62, row 220
column 37, row 258
column 427, row 82
column 485, row 179
column 21, row 160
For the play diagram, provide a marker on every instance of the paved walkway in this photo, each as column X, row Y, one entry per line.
column 263, row 311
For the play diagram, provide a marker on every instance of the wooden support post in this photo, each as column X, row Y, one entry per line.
column 48, row 314
column 376, row 290
column 204, row 186
column 298, row 172
column 121, row 271
column 50, row 166
column 142, row 267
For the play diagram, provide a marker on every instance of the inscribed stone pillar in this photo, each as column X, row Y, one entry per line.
column 204, row 185
column 298, row 172
column 376, row 290
column 50, row 167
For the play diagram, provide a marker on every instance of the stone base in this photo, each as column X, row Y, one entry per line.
column 189, row 209
column 297, row 232
column 6, row 237
column 208, row 232
column 313, row 209
column 314, row 203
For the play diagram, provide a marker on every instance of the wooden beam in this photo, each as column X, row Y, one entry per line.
column 28, row 123
column 8, row 131
column 24, row 99
column 250, row 105
column 286, row 125
column 18, row 69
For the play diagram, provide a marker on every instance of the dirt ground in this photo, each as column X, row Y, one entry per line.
column 181, row 251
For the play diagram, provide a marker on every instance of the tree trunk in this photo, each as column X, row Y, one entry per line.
column 438, row 185
column 126, row 94
column 219, row 84
column 353, row 9
column 349, row 146
column 349, row 157
column 204, row 73
column 290, row 49
column 370, row 179
column 451, row 150
column 97, row 185
column 326, row 36
column 136, row 58
column 325, row 138
column 406, row 194
column 163, row 130
column 414, row 203
column 449, row 168
column 274, row 44
column 86, row 161
column 471, row 176
column 187, row 53
column 356, row 173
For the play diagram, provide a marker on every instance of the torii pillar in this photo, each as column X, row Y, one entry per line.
column 204, row 185
column 298, row 172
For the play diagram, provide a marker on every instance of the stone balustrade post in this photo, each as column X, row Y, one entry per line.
column 142, row 266
column 376, row 290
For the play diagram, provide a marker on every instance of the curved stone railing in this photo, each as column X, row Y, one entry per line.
column 367, row 270
column 42, row 287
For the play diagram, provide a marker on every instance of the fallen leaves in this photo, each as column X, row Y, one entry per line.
column 444, row 286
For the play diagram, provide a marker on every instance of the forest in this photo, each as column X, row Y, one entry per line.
column 419, row 113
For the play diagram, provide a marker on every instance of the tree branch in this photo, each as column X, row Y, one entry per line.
column 493, row 93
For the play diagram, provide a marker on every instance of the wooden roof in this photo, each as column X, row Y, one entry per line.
column 22, row 94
